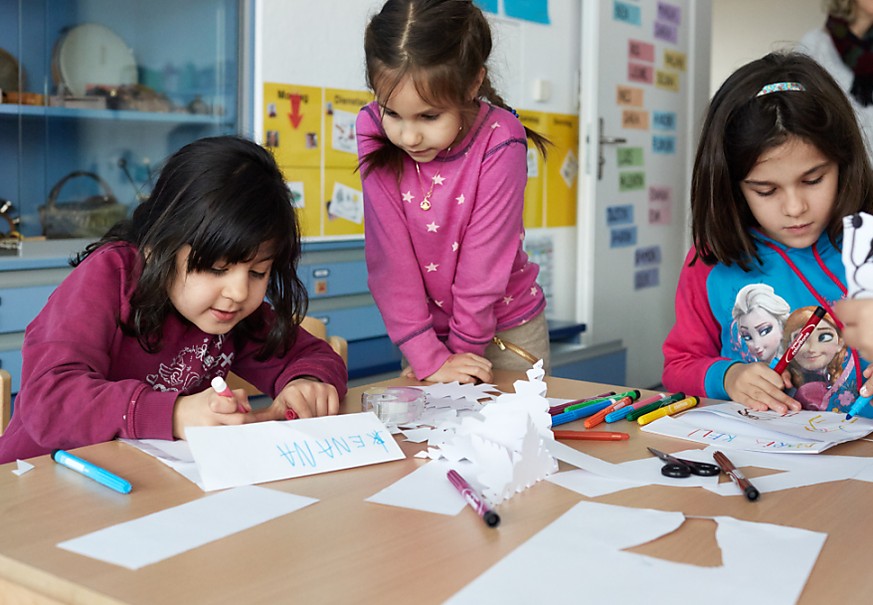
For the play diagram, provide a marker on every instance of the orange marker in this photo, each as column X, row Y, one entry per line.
column 591, row 435
column 667, row 410
column 599, row 417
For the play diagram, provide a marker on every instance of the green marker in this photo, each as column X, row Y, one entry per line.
column 634, row 394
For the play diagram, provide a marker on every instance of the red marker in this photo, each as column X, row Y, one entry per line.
column 222, row 389
column 591, row 435
column 600, row 416
column 801, row 338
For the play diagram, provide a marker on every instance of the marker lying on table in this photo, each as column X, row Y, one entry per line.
column 476, row 501
column 557, row 409
column 668, row 410
column 600, row 416
column 220, row 387
column 634, row 394
column 860, row 404
column 579, row 413
column 662, row 398
column 637, row 412
column 92, row 471
column 591, row 435
column 780, row 363
column 736, row 476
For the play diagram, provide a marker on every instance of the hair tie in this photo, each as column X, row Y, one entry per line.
column 515, row 113
column 780, row 87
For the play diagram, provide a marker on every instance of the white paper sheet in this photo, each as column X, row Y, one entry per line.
column 175, row 454
column 580, row 558
column 428, row 489
column 169, row 532
column 732, row 425
column 230, row 456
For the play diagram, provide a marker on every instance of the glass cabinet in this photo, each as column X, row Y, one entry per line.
column 98, row 93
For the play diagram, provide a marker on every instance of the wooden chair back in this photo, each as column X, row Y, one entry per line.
column 5, row 399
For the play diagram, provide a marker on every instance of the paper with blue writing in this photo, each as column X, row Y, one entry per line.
column 230, row 456
column 733, row 425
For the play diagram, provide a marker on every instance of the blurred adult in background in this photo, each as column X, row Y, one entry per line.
column 844, row 46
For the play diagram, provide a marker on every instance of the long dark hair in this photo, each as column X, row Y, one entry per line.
column 224, row 197
column 740, row 126
column 443, row 46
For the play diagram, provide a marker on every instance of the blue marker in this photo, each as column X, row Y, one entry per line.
column 619, row 414
column 860, row 404
column 92, row 471
column 565, row 417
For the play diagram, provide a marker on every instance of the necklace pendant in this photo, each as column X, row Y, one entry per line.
column 425, row 204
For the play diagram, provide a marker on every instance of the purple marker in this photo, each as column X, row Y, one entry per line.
column 473, row 499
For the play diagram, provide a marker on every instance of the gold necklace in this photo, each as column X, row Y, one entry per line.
column 425, row 202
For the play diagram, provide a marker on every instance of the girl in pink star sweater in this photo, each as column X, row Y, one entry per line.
column 443, row 175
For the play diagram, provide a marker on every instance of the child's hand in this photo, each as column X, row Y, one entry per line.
column 867, row 387
column 463, row 367
column 757, row 386
column 857, row 317
column 208, row 408
column 307, row 397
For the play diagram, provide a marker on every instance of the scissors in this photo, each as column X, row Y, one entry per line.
column 679, row 469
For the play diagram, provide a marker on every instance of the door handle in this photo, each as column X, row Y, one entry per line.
column 604, row 140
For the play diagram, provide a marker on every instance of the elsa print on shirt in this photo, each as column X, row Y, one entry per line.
column 759, row 316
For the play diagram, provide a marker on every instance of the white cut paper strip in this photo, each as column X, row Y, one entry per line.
column 169, row 532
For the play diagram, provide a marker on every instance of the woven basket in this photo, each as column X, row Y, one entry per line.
column 89, row 218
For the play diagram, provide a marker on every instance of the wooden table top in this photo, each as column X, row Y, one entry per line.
column 344, row 549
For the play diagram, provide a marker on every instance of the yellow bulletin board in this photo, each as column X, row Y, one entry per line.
column 311, row 132
column 562, row 170
column 550, row 196
column 534, row 192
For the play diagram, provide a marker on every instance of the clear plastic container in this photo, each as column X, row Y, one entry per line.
column 394, row 405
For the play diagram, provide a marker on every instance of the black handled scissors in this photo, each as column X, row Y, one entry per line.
column 679, row 468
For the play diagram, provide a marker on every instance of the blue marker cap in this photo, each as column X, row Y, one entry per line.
column 92, row 471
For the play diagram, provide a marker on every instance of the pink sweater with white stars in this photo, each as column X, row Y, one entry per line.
column 448, row 278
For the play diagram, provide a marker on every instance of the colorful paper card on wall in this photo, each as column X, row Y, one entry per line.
column 669, row 13
column 660, row 205
column 631, row 181
column 636, row 119
column 629, row 156
column 305, row 186
column 627, row 13
column 674, row 59
column 536, row 11
column 667, row 80
column 292, row 123
column 640, row 72
column 629, row 95
column 623, row 238
column 647, row 278
column 664, row 120
column 641, row 51
column 620, row 215
column 663, row 145
column 650, row 255
column 666, row 32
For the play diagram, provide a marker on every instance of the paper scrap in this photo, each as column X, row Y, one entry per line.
column 776, row 560
column 23, row 467
column 169, row 532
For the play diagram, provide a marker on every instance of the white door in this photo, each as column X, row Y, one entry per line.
column 645, row 79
